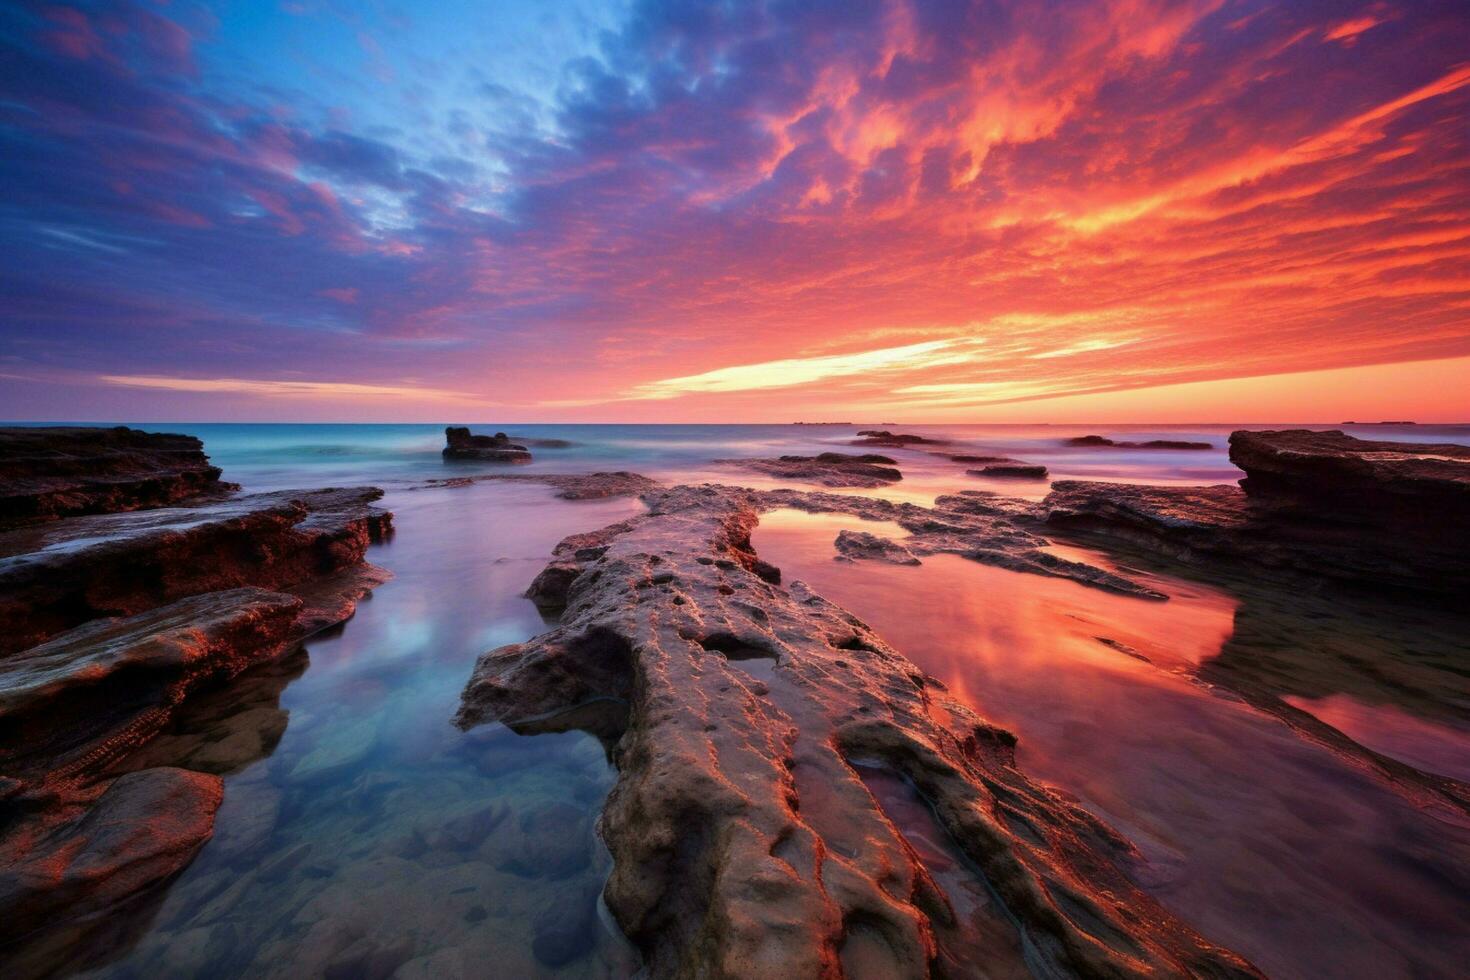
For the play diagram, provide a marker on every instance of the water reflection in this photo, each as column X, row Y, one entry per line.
column 361, row 833
column 1268, row 842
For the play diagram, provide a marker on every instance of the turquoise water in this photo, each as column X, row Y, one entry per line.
column 363, row 835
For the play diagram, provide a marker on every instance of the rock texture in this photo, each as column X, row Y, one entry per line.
column 826, row 469
column 569, row 486
column 53, row 472
column 893, row 440
column 59, row 575
column 1326, row 505
column 1024, row 471
column 461, row 444
column 109, row 624
column 746, row 841
column 1149, row 444
column 977, row 525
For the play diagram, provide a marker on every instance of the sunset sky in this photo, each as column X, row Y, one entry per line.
column 1140, row 210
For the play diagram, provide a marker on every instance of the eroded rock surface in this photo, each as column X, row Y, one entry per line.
column 893, row 440
column 1022, row 471
column 826, row 469
column 1326, row 505
column 59, row 575
column 50, row 472
column 462, row 444
column 746, row 843
column 109, row 624
column 569, row 486
column 1085, row 441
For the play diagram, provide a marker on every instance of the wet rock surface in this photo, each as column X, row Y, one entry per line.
column 461, row 444
column 978, row 525
column 1320, row 504
column 61, row 574
column 110, row 624
column 51, row 472
column 746, row 842
column 893, row 440
column 1019, row 471
column 569, row 486
column 1101, row 441
column 826, row 469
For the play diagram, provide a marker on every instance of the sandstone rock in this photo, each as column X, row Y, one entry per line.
column 1024, row 471
column 568, row 486
column 496, row 449
column 58, row 575
column 1325, row 505
column 143, row 830
column 896, row 440
column 1149, row 444
column 105, row 688
column 745, row 844
column 854, row 545
column 49, row 472
column 826, row 469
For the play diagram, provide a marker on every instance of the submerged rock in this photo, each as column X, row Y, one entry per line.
column 854, row 545
column 141, row 831
column 1083, row 441
column 496, row 449
column 896, row 440
column 1024, row 471
column 110, row 624
column 745, row 842
column 568, row 486
column 1322, row 504
column 50, row 472
column 826, row 469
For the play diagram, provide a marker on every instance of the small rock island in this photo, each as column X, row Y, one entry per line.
column 463, row 445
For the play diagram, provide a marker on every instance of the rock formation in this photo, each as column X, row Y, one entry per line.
column 569, row 486
column 826, row 469
column 462, row 445
column 1024, row 471
column 53, row 472
column 1150, row 444
column 109, row 624
column 746, row 839
column 1377, row 514
column 893, row 440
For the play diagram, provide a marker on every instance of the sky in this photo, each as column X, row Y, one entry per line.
column 1004, row 210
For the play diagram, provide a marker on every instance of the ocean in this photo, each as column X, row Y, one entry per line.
column 362, row 834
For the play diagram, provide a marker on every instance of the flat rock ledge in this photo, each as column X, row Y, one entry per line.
column 568, row 486
column 109, row 624
column 746, row 841
column 867, row 470
column 1319, row 504
column 50, row 472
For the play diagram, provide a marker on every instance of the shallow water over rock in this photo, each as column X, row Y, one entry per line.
column 361, row 833
column 1260, row 835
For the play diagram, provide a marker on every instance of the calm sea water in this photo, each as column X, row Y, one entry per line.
column 363, row 835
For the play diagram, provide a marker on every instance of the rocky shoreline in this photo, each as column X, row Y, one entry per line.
column 117, row 610
column 745, row 840
column 1324, row 505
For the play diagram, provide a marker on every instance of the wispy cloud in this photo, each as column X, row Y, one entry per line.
column 273, row 388
column 789, row 372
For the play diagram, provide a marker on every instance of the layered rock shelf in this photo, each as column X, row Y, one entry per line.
column 867, row 470
column 52, row 472
column 760, row 734
column 893, row 440
column 1323, row 504
column 1101, row 441
column 111, row 622
column 461, row 444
